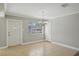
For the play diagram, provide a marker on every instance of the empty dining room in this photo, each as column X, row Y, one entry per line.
column 39, row 29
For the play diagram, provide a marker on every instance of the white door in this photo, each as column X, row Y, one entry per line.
column 14, row 32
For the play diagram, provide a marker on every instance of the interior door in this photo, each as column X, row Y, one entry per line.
column 14, row 32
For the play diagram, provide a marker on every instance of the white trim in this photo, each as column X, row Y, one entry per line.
column 5, row 7
column 3, row 47
column 32, row 42
column 64, row 45
column 52, row 36
column 7, row 31
column 21, row 32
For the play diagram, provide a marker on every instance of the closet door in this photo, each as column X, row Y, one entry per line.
column 14, row 32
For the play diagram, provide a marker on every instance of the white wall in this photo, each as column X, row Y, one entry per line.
column 27, row 37
column 30, row 37
column 3, row 36
column 65, row 30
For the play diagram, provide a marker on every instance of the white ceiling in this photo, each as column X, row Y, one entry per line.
column 51, row 10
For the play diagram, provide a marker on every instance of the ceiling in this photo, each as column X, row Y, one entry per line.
column 41, row 10
column 2, row 14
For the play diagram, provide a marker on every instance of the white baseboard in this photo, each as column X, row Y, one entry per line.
column 64, row 45
column 61, row 44
column 32, row 42
column 3, row 47
column 24, row 43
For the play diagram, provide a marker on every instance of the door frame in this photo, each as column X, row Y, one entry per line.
column 50, row 31
column 21, row 31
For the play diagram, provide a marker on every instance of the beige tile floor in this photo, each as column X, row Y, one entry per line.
column 37, row 49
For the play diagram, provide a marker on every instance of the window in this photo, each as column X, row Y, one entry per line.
column 35, row 27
